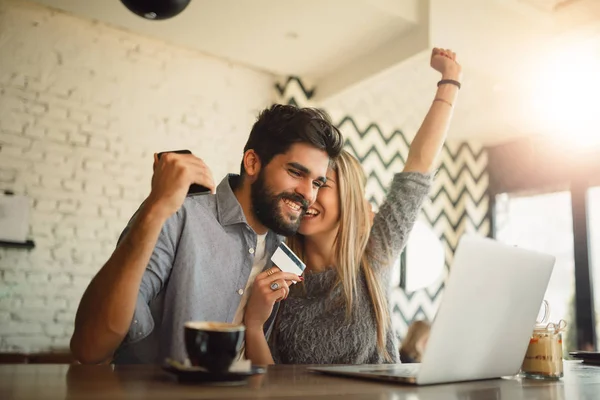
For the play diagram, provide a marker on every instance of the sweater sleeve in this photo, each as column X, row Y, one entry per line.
column 397, row 216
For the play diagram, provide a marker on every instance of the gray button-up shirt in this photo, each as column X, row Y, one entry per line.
column 202, row 258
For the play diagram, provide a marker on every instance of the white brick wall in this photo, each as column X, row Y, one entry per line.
column 83, row 107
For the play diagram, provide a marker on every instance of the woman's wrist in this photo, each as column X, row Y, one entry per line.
column 452, row 75
column 254, row 328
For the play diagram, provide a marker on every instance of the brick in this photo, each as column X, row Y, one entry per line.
column 64, row 232
column 57, row 135
column 56, row 170
column 95, row 154
column 37, row 132
column 14, row 277
column 91, row 210
column 114, row 168
column 18, row 80
column 13, row 104
column 7, row 150
column 58, row 113
column 39, row 193
column 62, row 343
column 56, row 303
column 61, row 89
column 98, row 143
column 15, row 122
column 34, row 278
column 45, row 205
column 53, row 148
column 73, row 185
column 5, row 316
column 33, row 315
column 21, row 328
column 67, row 207
column 99, row 121
column 55, row 329
column 20, row 93
column 15, row 140
column 36, row 108
column 11, row 162
column 35, row 85
column 108, row 212
column 93, row 165
column 64, row 316
column 81, row 282
column 33, row 155
column 53, row 100
column 113, row 191
column 28, row 343
column 7, row 303
column 61, row 279
column 93, row 188
column 63, row 253
column 86, row 223
column 42, row 230
column 51, row 182
column 8, row 176
column 65, row 126
column 41, row 257
column 79, row 116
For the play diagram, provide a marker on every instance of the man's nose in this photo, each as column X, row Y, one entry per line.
column 308, row 191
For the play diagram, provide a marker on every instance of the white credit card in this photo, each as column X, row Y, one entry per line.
column 287, row 261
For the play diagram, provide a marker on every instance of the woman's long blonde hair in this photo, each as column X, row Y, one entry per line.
column 351, row 251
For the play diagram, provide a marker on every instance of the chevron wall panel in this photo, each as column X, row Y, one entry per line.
column 458, row 201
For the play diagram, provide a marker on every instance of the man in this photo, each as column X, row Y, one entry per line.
column 183, row 259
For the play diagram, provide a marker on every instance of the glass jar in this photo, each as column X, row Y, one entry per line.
column 544, row 357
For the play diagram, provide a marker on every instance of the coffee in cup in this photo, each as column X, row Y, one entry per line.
column 213, row 346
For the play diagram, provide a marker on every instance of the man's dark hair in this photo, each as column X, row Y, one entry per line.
column 278, row 127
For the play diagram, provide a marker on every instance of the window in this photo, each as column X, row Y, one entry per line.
column 593, row 201
column 543, row 223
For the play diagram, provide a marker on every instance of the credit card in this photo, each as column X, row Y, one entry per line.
column 287, row 261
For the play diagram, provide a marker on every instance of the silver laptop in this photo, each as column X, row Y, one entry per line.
column 481, row 331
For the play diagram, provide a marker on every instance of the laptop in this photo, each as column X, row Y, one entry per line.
column 491, row 300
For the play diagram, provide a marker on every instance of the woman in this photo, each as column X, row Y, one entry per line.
column 340, row 314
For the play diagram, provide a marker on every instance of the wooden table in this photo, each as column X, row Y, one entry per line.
column 280, row 382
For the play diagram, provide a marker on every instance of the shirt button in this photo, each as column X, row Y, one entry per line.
column 241, row 292
column 251, row 251
column 135, row 321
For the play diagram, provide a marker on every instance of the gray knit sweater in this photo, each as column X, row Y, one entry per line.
column 311, row 326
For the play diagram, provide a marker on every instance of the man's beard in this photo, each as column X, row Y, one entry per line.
column 267, row 208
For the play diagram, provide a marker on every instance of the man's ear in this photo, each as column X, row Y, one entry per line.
column 252, row 164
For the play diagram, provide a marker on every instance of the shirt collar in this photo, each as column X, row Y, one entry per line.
column 229, row 210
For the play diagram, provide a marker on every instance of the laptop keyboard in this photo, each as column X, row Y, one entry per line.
column 400, row 370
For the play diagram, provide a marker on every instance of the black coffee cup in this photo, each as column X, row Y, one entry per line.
column 213, row 345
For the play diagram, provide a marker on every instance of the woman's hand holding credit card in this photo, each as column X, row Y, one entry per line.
column 269, row 287
column 287, row 261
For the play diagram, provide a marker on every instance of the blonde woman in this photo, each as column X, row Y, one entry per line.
column 340, row 314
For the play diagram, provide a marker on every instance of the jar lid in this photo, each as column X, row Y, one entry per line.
column 543, row 326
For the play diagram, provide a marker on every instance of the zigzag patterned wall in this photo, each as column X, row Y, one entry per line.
column 458, row 202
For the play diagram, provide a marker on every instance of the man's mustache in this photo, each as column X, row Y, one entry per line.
column 296, row 198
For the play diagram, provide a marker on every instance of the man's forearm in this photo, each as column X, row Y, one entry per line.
column 107, row 306
column 257, row 349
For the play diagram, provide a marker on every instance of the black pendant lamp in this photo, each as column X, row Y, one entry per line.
column 156, row 9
